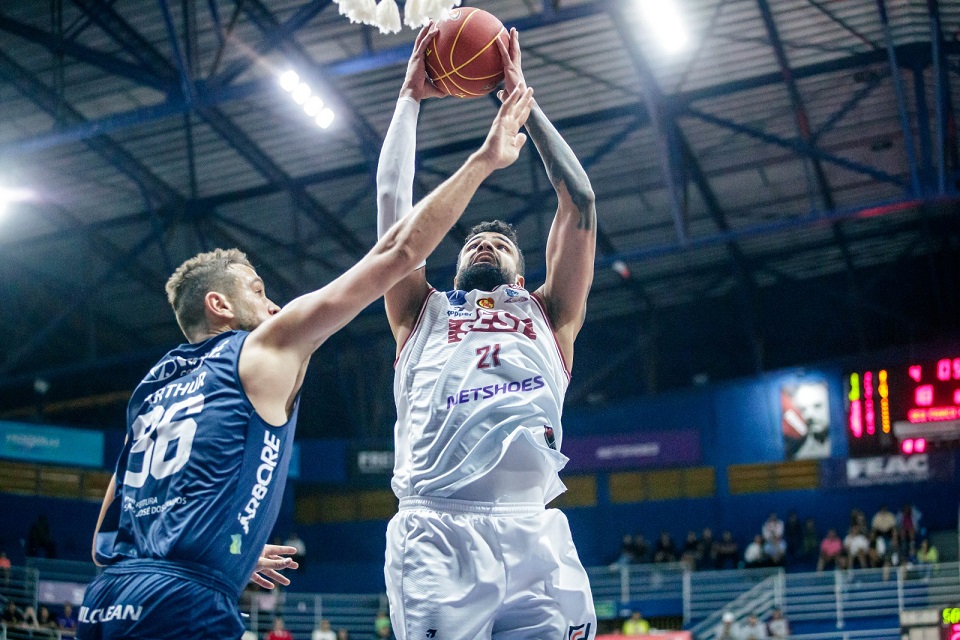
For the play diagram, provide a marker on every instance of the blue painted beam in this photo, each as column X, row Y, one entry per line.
column 274, row 38
column 901, row 99
column 186, row 82
column 109, row 63
column 71, row 306
column 799, row 146
column 50, row 102
column 911, row 54
column 847, row 107
column 941, row 96
column 800, row 116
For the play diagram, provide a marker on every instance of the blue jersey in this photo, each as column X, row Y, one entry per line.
column 201, row 476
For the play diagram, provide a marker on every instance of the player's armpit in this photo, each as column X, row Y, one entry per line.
column 403, row 303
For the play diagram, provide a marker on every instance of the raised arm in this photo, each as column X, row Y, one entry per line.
column 275, row 355
column 395, row 173
column 571, row 246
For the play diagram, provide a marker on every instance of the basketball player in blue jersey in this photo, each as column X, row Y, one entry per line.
column 480, row 377
column 198, row 485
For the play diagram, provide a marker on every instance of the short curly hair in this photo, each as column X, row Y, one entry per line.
column 503, row 228
column 194, row 279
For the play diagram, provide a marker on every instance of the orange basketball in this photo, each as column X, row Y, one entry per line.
column 464, row 60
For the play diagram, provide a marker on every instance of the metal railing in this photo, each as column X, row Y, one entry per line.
column 836, row 597
column 20, row 585
column 627, row 583
column 711, row 591
column 302, row 613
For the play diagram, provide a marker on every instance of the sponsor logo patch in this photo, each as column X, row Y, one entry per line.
column 486, row 303
column 579, row 632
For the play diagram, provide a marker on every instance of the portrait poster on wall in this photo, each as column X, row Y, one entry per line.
column 805, row 420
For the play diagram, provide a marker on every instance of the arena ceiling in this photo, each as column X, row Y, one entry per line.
column 781, row 190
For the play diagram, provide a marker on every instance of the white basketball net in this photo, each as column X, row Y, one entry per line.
column 385, row 15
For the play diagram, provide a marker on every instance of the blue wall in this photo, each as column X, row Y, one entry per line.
column 738, row 422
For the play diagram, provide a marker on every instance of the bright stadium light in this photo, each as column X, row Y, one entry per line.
column 665, row 24
column 301, row 92
column 325, row 119
column 9, row 196
column 313, row 106
column 289, row 80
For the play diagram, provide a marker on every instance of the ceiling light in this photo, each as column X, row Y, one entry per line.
column 313, row 106
column 289, row 80
column 301, row 92
column 665, row 23
column 9, row 196
column 325, row 119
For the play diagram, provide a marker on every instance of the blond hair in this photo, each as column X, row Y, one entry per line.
column 194, row 279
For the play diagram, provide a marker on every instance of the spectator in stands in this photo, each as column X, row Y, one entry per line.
column 884, row 523
column 627, row 554
column 5, row 567
column 635, row 625
column 778, row 627
column 753, row 630
column 856, row 546
column 793, row 535
column 11, row 615
column 831, row 548
column 30, row 620
column 279, row 631
column 691, row 550
column 343, row 634
column 294, row 541
column 772, row 528
column 877, row 550
column 323, row 632
column 775, row 551
column 67, row 622
column 728, row 552
column 707, row 551
column 382, row 625
column 39, row 541
column 908, row 521
column 666, row 550
column 858, row 519
column 641, row 550
column 927, row 557
column 811, row 541
column 46, row 623
column 753, row 557
column 728, row 629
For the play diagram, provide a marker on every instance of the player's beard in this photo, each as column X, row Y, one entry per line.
column 482, row 276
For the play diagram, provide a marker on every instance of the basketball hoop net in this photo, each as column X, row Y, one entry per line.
column 385, row 15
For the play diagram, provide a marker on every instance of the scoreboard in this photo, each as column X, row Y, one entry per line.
column 904, row 409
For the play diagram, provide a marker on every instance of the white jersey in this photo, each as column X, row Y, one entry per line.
column 479, row 386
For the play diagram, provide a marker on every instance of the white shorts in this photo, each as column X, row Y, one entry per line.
column 462, row 570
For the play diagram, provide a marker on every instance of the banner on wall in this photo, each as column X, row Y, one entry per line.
column 805, row 419
column 631, row 451
column 885, row 470
column 51, row 445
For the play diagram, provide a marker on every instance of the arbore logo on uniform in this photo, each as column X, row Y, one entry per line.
column 489, row 322
column 580, row 632
column 268, row 456
column 115, row 612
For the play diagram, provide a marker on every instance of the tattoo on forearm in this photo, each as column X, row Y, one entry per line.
column 563, row 167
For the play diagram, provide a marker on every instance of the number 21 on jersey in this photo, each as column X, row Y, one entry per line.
column 489, row 356
column 173, row 428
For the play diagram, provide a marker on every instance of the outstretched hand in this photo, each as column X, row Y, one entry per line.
column 510, row 56
column 416, row 84
column 504, row 141
column 274, row 558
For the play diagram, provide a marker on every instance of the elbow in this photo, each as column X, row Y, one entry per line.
column 398, row 251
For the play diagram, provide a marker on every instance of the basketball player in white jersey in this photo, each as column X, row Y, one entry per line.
column 481, row 374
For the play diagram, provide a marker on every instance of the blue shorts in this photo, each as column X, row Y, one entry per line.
column 158, row 599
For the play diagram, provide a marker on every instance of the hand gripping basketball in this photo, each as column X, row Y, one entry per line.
column 415, row 84
column 512, row 70
column 504, row 141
